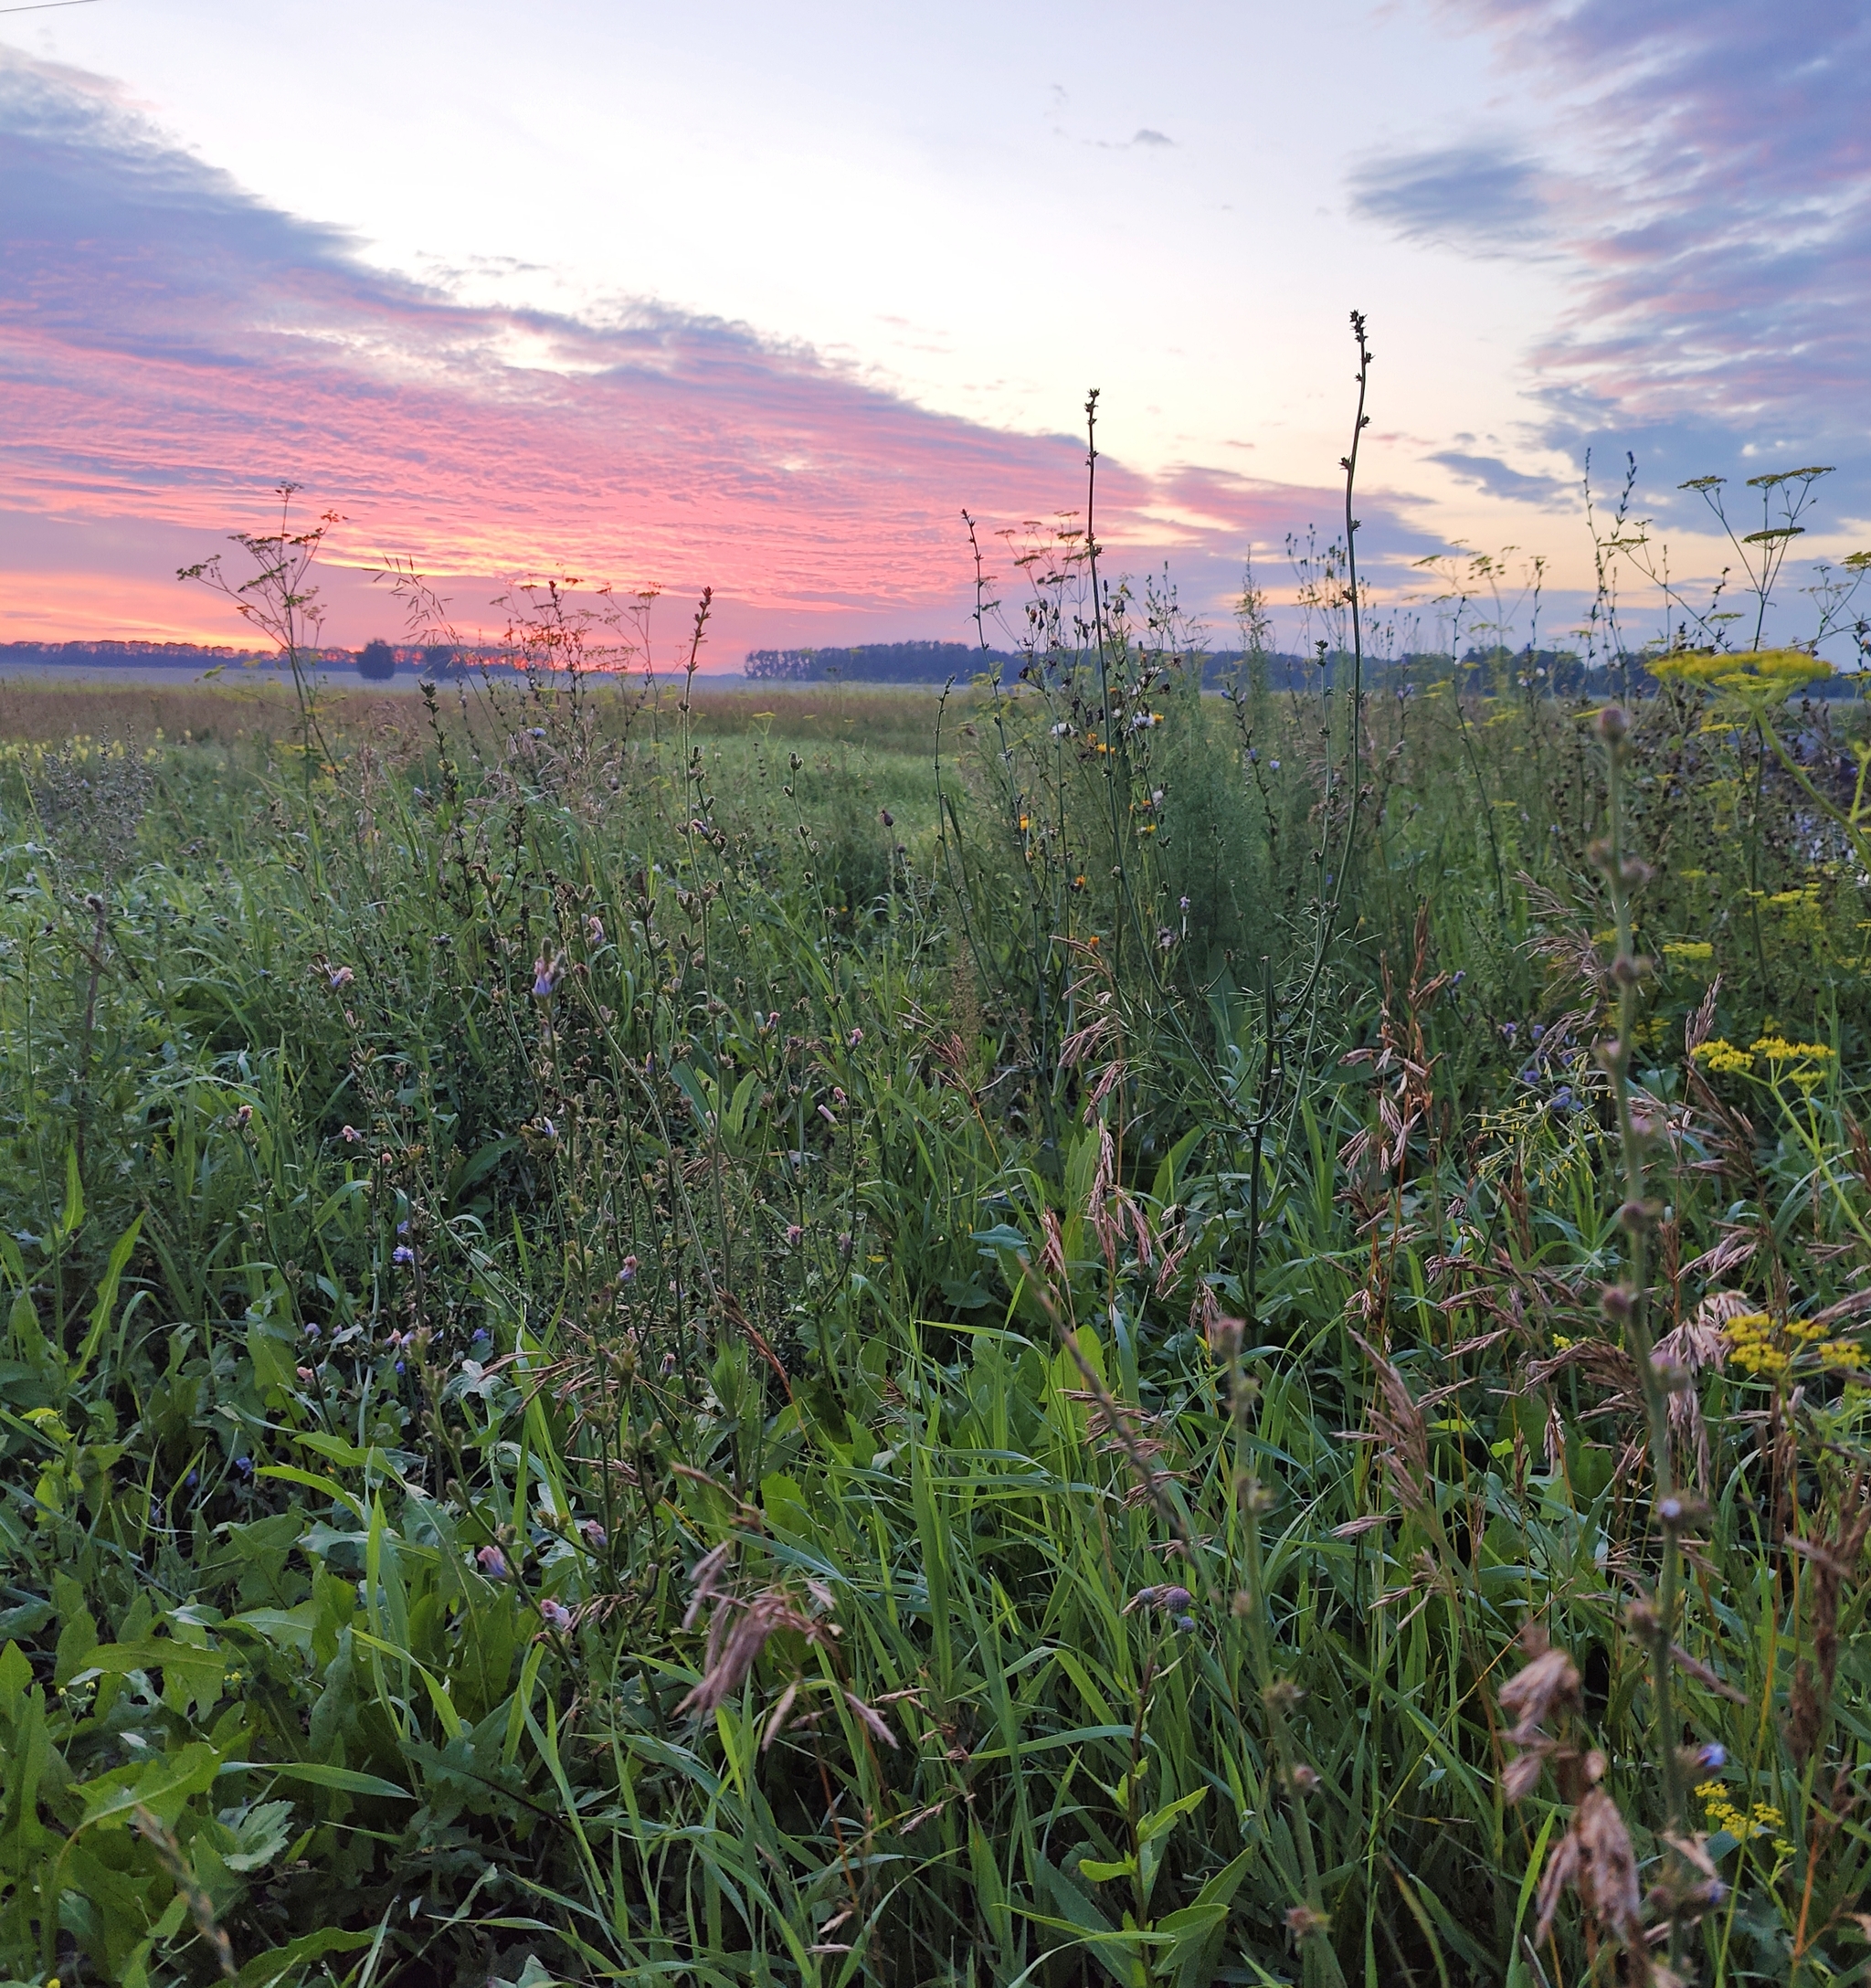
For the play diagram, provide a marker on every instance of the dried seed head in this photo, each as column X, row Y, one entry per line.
column 1607, row 1879
column 1521, row 1775
column 1549, row 1683
column 1304, row 1923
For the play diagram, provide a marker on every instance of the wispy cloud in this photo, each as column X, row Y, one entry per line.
column 1499, row 479
column 171, row 347
column 1481, row 197
column 1714, row 203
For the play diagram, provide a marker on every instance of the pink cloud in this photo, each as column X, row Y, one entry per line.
column 170, row 348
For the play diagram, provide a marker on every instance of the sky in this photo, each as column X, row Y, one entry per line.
column 764, row 298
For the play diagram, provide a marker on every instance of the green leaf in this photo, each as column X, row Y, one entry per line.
column 265, row 1968
column 346, row 1780
column 72, row 1216
column 107, row 1296
column 163, row 1786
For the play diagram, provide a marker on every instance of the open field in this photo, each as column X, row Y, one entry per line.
column 1085, row 1335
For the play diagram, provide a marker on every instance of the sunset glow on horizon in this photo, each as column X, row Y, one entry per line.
column 175, row 340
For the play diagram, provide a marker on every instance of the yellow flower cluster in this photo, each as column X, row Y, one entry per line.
column 1718, row 1811
column 1752, row 1346
column 1778, row 1050
column 1688, row 952
column 1760, row 669
column 1756, row 1346
column 1720, row 1056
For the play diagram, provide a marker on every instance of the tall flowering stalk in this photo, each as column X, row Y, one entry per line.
column 1625, row 1302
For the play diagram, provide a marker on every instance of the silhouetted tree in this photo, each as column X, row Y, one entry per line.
column 376, row 661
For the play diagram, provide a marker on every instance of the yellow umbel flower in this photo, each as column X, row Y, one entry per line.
column 1723, row 1059
column 1751, row 1342
column 1720, row 1811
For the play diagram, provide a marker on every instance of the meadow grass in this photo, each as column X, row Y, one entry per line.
column 1076, row 1333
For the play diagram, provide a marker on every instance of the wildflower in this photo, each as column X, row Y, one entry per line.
column 538, row 731
column 1273, row 765
column 350, row 1135
column 668, row 1365
column 594, row 931
column 627, row 1270
column 593, row 1534
column 493, row 1563
column 854, row 1038
column 1688, row 952
column 403, row 1255
column 399, row 1367
column 243, row 1466
column 1841, row 1356
column 1062, row 730
column 1722, row 1059
column 793, row 1231
column 311, row 1332
column 556, row 1615
column 340, row 976
column 479, row 1337
column 1171, row 1599
column 1750, row 1346
column 545, row 975
column 1023, row 820
column 1185, row 903
column 825, row 1113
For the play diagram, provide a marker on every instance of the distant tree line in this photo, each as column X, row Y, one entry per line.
column 880, row 662
column 121, row 655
